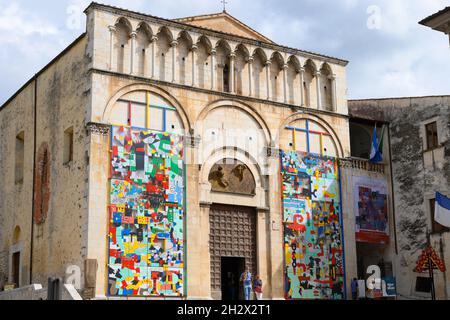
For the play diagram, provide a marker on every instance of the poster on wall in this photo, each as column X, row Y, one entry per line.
column 371, row 210
column 146, row 214
column 312, row 227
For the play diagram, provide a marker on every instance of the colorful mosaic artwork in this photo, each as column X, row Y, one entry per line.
column 146, row 252
column 371, row 210
column 312, row 227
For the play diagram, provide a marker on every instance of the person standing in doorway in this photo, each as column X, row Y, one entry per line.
column 246, row 279
column 354, row 289
column 258, row 288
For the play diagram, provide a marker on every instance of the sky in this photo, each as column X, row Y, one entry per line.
column 390, row 54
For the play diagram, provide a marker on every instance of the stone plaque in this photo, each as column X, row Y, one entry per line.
column 232, row 176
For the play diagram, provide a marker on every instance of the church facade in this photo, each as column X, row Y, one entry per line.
column 165, row 157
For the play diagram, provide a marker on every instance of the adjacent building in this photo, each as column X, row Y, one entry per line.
column 420, row 166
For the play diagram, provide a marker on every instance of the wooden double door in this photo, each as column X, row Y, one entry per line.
column 232, row 238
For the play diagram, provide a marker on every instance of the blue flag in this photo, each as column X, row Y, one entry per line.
column 375, row 154
column 442, row 210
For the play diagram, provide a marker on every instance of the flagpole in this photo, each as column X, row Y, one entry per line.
column 445, row 274
column 430, row 267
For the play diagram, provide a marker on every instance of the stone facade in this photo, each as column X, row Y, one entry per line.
column 418, row 173
column 211, row 80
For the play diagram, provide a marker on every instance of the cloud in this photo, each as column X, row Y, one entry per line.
column 16, row 24
column 401, row 58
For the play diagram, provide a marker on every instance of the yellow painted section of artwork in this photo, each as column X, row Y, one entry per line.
column 147, row 111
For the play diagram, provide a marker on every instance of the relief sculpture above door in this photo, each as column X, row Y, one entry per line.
column 232, row 176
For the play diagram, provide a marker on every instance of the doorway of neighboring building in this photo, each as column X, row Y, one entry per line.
column 16, row 269
column 232, row 268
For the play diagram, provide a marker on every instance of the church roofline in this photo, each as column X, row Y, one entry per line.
column 206, row 31
column 428, row 20
column 398, row 98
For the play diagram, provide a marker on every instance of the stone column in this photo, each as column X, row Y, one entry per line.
column 333, row 93
column 285, row 84
column 250, row 76
column 154, row 40
column 275, row 237
column 112, row 31
column 193, row 50
column 319, row 98
column 302, row 89
column 174, row 45
column 263, row 248
column 97, row 147
column 267, row 66
column 213, row 69
column 133, row 40
column 232, row 73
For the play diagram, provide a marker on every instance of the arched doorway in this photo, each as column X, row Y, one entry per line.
column 233, row 229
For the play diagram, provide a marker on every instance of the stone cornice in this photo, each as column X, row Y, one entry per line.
column 226, row 95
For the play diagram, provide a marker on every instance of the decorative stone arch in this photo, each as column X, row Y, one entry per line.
column 187, row 35
column 145, row 26
column 206, row 40
column 126, row 22
column 242, row 106
column 327, row 86
column 263, row 54
column 146, row 87
column 276, row 76
column 295, row 61
column 277, row 56
column 326, row 66
column 244, row 48
column 207, row 196
column 167, row 31
column 225, row 43
column 317, row 119
column 312, row 64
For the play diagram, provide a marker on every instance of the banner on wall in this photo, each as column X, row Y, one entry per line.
column 371, row 210
column 146, row 214
column 312, row 227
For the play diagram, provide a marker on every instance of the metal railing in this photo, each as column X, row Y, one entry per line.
column 361, row 164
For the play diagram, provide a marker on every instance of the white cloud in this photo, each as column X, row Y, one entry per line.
column 16, row 23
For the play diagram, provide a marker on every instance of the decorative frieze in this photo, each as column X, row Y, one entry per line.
column 98, row 128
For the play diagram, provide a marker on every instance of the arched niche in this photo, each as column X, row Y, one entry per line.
column 210, row 194
column 16, row 235
column 117, row 110
column 311, row 134
column 232, row 176
column 231, row 124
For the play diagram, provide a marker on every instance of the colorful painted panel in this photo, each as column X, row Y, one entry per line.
column 146, row 214
column 371, row 210
column 312, row 227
